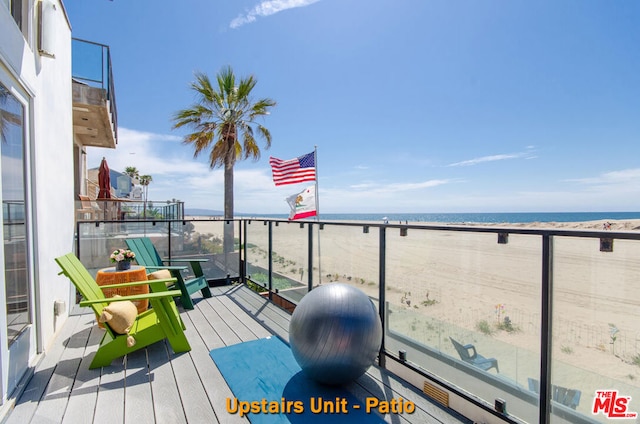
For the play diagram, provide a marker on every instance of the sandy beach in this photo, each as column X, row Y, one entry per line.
column 467, row 284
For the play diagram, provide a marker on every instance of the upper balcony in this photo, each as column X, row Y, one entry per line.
column 95, row 115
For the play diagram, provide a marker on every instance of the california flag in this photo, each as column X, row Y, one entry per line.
column 303, row 204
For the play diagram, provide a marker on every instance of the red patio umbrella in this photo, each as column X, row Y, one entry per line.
column 104, row 181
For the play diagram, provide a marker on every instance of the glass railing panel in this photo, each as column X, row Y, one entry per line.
column 348, row 254
column 91, row 63
column 480, row 287
column 98, row 240
column 203, row 239
column 257, row 260
column 291, row 259
column 596, row 309
column 451, row 295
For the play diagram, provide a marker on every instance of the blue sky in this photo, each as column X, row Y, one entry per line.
column 414, row 105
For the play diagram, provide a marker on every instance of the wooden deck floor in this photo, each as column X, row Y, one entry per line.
column 155, row 386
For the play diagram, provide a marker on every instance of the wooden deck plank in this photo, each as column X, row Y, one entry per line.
column 26, row 405
column 138, row 400
column 111, row 392
column 84, row 393
column 221, row 327
column 202, row 328
column 272, row 317
column 214, row 384
column 254, row 326
column 234, row 323
column 196, row 404
column 56, row 396
column 166, row 395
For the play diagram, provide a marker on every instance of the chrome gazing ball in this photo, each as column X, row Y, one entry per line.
column 335, row 333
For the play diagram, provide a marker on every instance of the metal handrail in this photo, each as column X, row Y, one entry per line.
column 105, row 81
column 545, row 252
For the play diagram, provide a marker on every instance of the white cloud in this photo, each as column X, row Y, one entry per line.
column 144, row 150
column 624, row 176
column 396, row 187
column 493, row 158
column 266, row 8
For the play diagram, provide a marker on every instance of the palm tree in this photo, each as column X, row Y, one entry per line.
column 145, row 180
column 131, row 171
column 223, row 114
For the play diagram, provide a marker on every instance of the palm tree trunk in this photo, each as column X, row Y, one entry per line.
column 228, row 209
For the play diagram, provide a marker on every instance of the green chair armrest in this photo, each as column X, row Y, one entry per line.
column 169, row 267
column 142, row 296
column 185, row 260
column 137, row 283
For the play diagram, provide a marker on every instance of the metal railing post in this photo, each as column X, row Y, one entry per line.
column 78, row 239
column 310, row 258
column 546, row 326
column 169, row 238
column 242, row 258
column 381, row 295
column 270, row 288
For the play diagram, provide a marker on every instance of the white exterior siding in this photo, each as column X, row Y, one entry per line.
column 53, row 175
column 43, row 85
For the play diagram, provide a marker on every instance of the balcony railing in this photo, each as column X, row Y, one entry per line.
column 91, row 64
column 128, row 210
column 555, row 311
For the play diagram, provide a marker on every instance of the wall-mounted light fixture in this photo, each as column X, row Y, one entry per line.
column 46, row 28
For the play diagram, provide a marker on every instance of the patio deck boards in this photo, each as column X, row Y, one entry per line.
column 155, row 386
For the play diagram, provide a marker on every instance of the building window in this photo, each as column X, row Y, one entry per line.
column 16, row 7
column 12, row 149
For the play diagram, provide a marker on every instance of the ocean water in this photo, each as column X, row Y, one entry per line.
column 489, row 218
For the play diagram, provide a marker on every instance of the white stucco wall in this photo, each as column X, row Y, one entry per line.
column 44, row 85
column 53, row 173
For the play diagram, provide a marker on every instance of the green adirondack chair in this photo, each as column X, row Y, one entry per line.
column 161, row 322
column 148, row 257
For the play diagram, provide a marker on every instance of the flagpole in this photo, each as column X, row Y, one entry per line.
column 315, row 163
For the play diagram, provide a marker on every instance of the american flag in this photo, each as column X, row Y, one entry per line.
column 292, row 171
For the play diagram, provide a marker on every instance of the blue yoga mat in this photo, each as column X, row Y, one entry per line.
column 263, row 374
